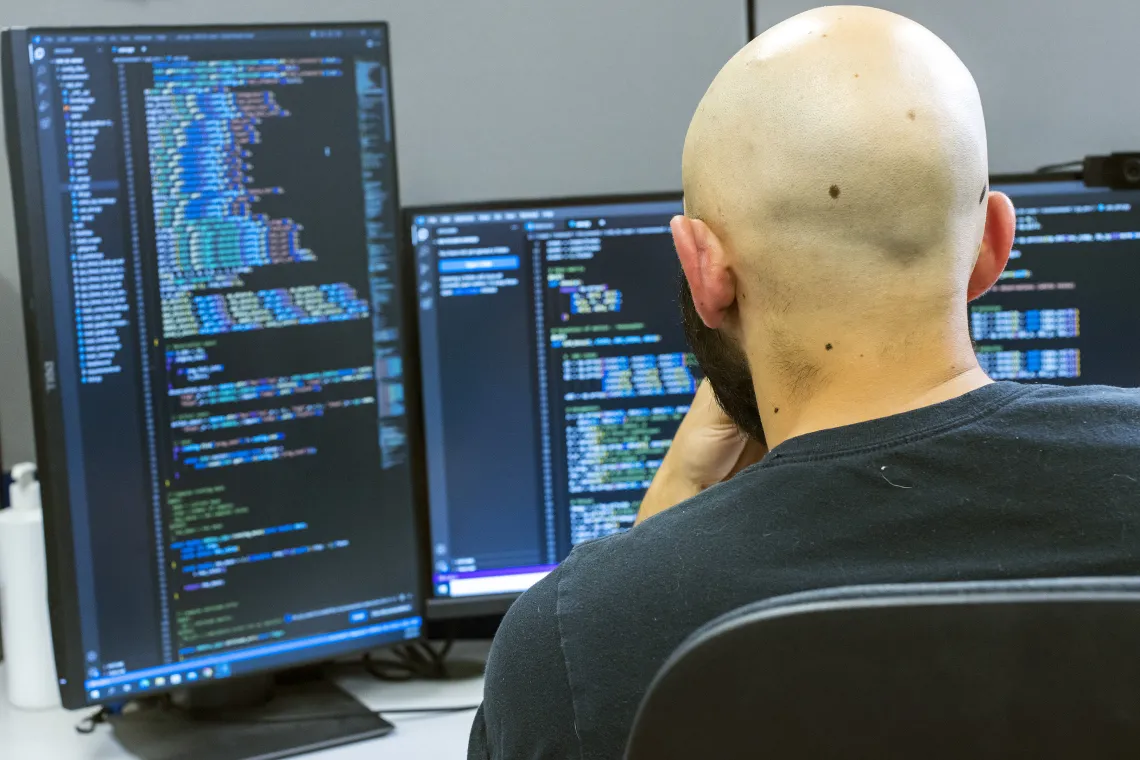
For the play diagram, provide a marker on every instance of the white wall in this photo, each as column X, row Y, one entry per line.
column 1057, row 77
column 494, row 99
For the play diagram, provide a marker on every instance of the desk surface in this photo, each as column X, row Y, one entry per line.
column 418, row 736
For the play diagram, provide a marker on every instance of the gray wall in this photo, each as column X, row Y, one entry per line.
column 494, row 99
column 1057, row 77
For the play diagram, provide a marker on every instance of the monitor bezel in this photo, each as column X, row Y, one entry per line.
column 452, row 608
column 1036, row 177
column 39, row 335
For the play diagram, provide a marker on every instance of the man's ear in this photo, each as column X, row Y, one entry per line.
column 997, row 240
column 702, row 258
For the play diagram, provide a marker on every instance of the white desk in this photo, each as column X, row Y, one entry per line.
column 50, row 734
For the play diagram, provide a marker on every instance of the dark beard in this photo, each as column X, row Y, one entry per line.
column 725, row 366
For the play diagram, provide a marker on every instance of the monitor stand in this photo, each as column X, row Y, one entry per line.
column 253, row 718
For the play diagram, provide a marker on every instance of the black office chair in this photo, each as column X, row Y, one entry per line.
column 1009, row 669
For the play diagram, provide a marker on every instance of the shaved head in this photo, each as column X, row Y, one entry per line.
column 843, row 125
column 835, row 178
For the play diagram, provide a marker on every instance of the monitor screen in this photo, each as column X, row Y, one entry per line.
column 207, row 223
column 554, row 375
column 1065, row 310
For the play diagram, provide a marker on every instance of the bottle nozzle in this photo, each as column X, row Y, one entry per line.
column 24, row 492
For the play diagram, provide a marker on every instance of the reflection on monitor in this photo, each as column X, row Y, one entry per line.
column 217, row 347
column 1065, row 311
column 555, row 373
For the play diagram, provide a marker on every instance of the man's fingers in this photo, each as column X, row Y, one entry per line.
column 705, row 404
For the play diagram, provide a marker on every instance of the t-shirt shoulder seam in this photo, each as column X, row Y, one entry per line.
column 566, row 665
column 910, row 437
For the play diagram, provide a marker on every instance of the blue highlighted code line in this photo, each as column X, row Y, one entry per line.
column 483, row 264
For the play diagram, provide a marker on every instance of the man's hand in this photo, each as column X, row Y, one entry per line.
column 707, row 449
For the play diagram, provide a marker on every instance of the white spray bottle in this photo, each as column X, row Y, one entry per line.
column 29, row 662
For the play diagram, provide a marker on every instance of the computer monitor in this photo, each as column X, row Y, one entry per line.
column 207, row 222
column 554, row 370
column 554, row 373
column 1065, row 309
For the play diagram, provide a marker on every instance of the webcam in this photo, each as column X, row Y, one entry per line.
column 1119, row 171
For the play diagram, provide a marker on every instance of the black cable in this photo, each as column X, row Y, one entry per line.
column 750, row 17
column 406, row 662
column 1048, row 168
column 89, row 723
column 387, row 670
column 435, row 657
column 405, row 666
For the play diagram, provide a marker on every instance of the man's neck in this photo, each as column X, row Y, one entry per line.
column 857, row 386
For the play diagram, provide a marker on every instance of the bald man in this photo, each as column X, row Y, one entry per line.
column 837, row 222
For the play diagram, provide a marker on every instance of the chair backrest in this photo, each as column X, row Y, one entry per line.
column 1007, row 669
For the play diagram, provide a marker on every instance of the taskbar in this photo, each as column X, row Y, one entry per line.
column 254, row 659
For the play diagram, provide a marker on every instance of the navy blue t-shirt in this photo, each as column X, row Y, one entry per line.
column 1008, row 481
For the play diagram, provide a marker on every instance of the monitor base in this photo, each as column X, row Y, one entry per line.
column 247, row 719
